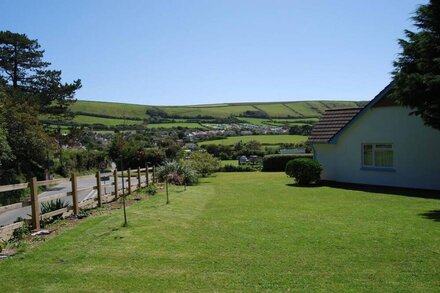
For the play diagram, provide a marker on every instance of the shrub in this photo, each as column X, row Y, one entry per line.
column 277, row 163
column 151, row 189
column 305, row 171
column 235, row 168
column 203, row 163
column 177, row 174
column 50, row 206
column 21, row 232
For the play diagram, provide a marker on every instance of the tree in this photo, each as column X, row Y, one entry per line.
column 417, row 70
column 22, row 68
column 26, row 139
column 6, row 155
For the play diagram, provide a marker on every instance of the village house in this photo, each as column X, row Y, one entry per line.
column 379, row 144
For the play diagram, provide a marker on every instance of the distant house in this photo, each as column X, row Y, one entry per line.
column 380, row 144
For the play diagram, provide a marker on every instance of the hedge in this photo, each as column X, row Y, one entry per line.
column 235, row 168
column 277, row 163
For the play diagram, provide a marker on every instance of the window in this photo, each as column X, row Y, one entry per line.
column 377, row 155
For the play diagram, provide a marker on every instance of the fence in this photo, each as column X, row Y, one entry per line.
column 97, row 196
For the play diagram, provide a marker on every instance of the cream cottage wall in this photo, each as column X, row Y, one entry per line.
column 416, row 150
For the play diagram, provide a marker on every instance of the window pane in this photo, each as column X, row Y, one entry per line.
column 368, row 155
column 383, row 158
column 384, row 146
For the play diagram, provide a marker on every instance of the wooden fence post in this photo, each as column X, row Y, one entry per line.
column 154, row 174
column 115, row 175
column 35, row 205
column 139, row 177
column 129, row 181
column 74, row 194
column 147, row 174
column 98, row 188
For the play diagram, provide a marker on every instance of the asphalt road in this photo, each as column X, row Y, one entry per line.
column 9, row 217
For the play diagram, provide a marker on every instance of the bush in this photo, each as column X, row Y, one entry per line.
column 305, row 171
column 177, row 174
column 235, row 168
column 151, row 189
column 277, row 163
column 203, row 163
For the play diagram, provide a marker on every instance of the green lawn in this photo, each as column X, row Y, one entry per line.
column 229, row 162
column 263, row 139
column 243, row 232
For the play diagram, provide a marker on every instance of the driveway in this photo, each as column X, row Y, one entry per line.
column 9, row 217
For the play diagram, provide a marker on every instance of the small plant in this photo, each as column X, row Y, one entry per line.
column 53, row 205
column 2, row 245
column 305, row 171
column 50, row 206
column 21, row 232
column 151, row 189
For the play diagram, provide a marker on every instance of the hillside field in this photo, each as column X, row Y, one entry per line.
column 275, row 113
column 263, row 139
column 273, row 110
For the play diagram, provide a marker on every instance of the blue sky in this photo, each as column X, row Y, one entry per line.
column 193, row 52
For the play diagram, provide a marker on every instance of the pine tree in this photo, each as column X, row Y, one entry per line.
column 23, row 70
column 417, row 69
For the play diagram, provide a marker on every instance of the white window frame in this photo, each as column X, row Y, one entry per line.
column 374, row 148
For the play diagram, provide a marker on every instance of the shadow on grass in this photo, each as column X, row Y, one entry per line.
column 410, row 192
column 304, row 186
column 432, row 215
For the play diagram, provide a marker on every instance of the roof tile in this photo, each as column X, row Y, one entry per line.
column 331, row 122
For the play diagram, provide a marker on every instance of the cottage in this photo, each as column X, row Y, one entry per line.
column 379, row 144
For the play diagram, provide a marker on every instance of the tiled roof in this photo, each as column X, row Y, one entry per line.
column 331, row 122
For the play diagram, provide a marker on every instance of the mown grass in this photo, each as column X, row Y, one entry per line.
column 243, row 232
column 274, row 139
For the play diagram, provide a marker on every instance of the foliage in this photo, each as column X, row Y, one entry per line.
column 277, row 163
column 203, row 163
column 132, row 152
column 151, row 189
column 26, row 139
column 300, row 129
column 79, row 160
column 176, row 173
column 50, row 206
column 154, row 156
column 417, row 69
column 237, row 168
column 305, row 171
column 223, row 152
column 21, row 232
column 23, row 69
column 6, row 154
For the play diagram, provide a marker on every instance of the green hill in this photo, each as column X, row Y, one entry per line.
column 307, row 109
